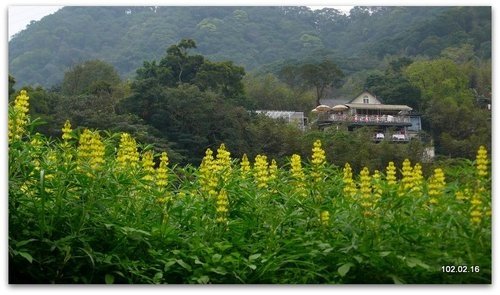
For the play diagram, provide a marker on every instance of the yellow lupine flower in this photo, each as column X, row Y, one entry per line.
column 407, row 173
column 245, row 166
column 366, row 191
column 148, row 165
column 208, row 178
column 417, row 180
column 324, row 217
column 162, row 172
column 223, row 163
column 127, row 156
column 482, row 162
column 377, row 188
column 222, row 207
column 261, row 172
column 436, row 185
column 66, row 131
column 318, row 161
column 90, row 150
column 298, row 175
column 273, row 170
column 349, row 185
column 296, row 167
column 18, row 118
column 391, row 173
column 476, row 206
column 476, row 216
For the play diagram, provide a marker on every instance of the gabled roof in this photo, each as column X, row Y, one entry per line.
column 365, row 91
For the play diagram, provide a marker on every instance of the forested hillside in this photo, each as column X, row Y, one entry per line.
column 186, row 78
column 248, row 36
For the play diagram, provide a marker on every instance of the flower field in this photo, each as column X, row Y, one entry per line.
column 95, row 207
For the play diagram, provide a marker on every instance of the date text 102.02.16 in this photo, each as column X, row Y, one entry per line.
column 459, row 268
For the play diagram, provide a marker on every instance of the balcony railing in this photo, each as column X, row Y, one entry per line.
column 363, row 118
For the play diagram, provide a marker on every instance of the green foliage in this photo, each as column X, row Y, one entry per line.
column 393, row 87
column 249, row 36
column 320, row 76
column 70, row 224
column 93, row 76
column 267, row 92
column 447, row 98
column 12, row 82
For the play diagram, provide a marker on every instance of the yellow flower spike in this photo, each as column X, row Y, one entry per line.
column 377, row 188
column 66, row 131
column 349, row 185
column 324, row 217
column 208, row 177
column 127, row 156
column 18, row 119
column 296, row 167
column 222, row 207
column 482, row 162
column 245, row 166
column 223, row 163
column 273, row 170
column 298, row 175
column 148, row 165
column 417, row 180
column 391, row 173
column 366, row 190
column 407, row 172
column 90, row 151
column 261, row 172
column 318, row 161
column 436, row 185
column 162, row 172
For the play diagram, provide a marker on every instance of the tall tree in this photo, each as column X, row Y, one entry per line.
column 317, row 75
column 183, row 66
column 82, row 78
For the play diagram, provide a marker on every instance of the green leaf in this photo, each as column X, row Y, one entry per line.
column 216, row 257
column 254, row 256
column 412, row 262
column 168, row 264
column 27, row 256
column 384, row 253
column 344, row 269
column 219, row 270
column 183, row 264
column 252, row 266
column 358, row 258
column 22, row 243
column 158, row 276
column 396, row 280
column 109, row 279
column 203, row 280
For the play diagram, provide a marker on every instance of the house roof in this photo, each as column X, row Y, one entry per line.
column 386, row 107
column 334, row 101
column 356, row 96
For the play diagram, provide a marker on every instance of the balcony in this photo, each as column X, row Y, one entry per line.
column 373, row 120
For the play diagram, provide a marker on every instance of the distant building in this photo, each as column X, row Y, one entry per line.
column 390, row 122
column 295, row 118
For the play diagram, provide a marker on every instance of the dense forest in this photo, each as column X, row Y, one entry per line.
column 185, row 78
column 249, row 36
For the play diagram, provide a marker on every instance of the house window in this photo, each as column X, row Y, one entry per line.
column 365, row 100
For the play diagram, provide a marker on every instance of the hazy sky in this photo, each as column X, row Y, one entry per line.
column 21, row 16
